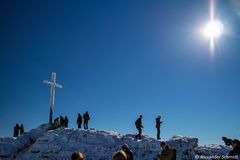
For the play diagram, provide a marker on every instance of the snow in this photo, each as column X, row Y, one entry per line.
column 11, row 146
column 212, row 150
column 59, row 144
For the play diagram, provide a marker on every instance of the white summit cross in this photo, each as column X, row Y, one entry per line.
column 53, row 84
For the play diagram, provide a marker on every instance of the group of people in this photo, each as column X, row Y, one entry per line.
column 125, row 153
column 18, row 130
column 60, row 122
column 85, row 118
column 167, row 152
column 139, row 126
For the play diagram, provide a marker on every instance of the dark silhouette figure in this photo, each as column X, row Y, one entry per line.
column 66, row 122
column 139, row 126
column 158, row 125
column 21, row 129
column 129, row 153
column 16, row 130
column 86, row 118
column 227, row 141
column 236, row 148
column 79, row 121
column 61, row 122
column 56, row 123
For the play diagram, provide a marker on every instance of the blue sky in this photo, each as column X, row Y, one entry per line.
column 119, row 59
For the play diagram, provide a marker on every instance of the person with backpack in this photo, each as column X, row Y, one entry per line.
column 86, row 118
column 158, row 125
column 79, row 121
column 139, row 126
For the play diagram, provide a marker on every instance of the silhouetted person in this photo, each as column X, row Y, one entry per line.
column 16, row 130
column 86, row 118
column 227, row 141
column 158, row 125
column 129, row 153
column 21, row 129
column 56, row 123
column 62, row 122
column 236, row 148
column 79, row 121
column 66, row 122
column 139, row 126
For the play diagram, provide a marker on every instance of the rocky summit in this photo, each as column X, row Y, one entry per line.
column 44, row 144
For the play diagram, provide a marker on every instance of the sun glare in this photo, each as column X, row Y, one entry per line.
column 213, row 29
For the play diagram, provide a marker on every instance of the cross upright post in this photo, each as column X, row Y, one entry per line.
column 53, row 85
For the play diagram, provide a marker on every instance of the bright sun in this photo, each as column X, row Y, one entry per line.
column 213, row 29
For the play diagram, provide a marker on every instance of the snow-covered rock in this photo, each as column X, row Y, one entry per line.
column 215, row 150
column 184, row 146
column 59, row 144
column 10, row 147
column 97, row 145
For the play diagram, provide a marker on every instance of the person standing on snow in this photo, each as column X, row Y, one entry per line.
column 16, row 130
column 139, row 126
column 21, row 129
column 79, row 121
column 158, row 125
column 86, row 118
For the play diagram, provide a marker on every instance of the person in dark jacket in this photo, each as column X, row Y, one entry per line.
column 66, row 122
column 16, row 130
column 56, row 123
column 227, row 141
column 86, row 118
column 139, row 126
column 21, row 129
column 62, row 122
column 79, row 121
column 158, row 125
column 236, row 148
column 129, row 153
